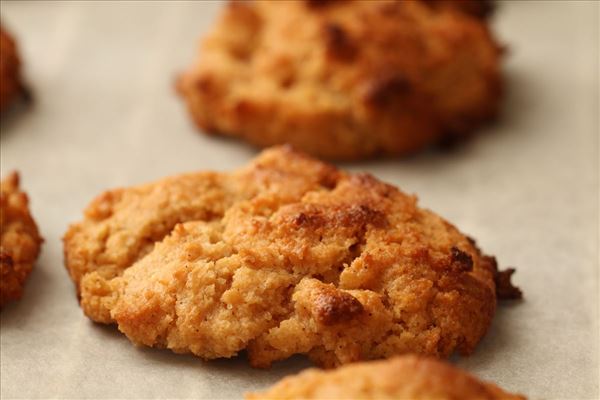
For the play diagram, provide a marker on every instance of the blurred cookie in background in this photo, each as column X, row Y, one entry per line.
column 11, row 84
column 346, row 79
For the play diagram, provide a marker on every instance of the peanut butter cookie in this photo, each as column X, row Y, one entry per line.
column 287, row 255
column 346, row 79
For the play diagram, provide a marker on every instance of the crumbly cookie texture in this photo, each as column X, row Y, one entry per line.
column 287, row 255
column 345, row 79
column 20, row 240
column 10, row 71
column 406, row 377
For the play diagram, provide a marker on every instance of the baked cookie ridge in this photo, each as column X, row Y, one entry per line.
column 121, row 226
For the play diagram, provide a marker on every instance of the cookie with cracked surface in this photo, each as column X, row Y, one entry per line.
column 405, row 377
column 10, row 71
column 20, row 240
column 345, row 79
column 287, row 255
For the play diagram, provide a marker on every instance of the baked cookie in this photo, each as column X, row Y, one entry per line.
column 287, row 255
column 10, row 71
column 405, row 377
column 20, row 240
column 345, row 79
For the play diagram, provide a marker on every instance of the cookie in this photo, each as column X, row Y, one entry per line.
column 20, row 240
column 345, row 79
column 287, row 255
column 405, row 377
column 10, row 71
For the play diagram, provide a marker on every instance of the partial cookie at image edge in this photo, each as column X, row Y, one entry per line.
column 403, row 377
column 20, row 241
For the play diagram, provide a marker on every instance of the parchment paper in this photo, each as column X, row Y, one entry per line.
column 106, row 115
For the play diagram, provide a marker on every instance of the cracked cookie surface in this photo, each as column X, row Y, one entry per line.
column 405, row 377
column 346, row 79
column 287, row 255
column 20, row 240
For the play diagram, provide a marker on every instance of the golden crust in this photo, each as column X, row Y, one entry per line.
column 345, row 80
column 287, row 255
column 10, row 71
column 20, row 240
column 405, row 377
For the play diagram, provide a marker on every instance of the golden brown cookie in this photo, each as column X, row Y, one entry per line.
column 406, row 377
column 20, row 241
column 345, row 79
column 287, row 255
column 11, row 86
